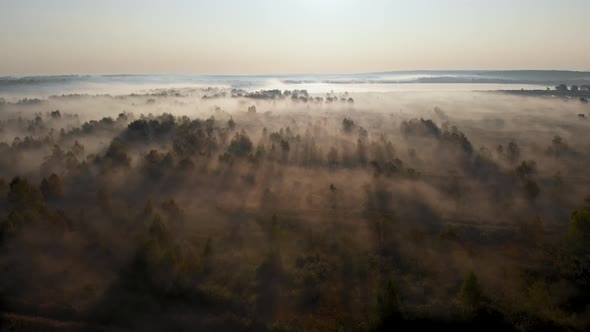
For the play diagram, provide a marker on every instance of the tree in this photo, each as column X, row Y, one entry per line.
column 78, row 149
column 531, row 189
column 206, row 254
column 574, row 264
column 22, row 196
column 117, row 154
column 172, row 210
column 268, row 285
column 420, row 128
column 11, row 224
column 54, row 162
column 158, row 229
column 51, row 187
column 513, row 152
column 526, row 169
column 579, row 229
column 156, row 164
column 558, row 147
column 389, row 311
column 457, row 138
column 285, row 145
column 333, row 156
column 361, row 151
column 539, row 297
column 56, row 114
column 104, row 200
column 240, row 146
column 348, row 125
column 561, row 88
column 470, row 296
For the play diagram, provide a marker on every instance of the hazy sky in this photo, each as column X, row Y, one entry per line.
column 290, row 36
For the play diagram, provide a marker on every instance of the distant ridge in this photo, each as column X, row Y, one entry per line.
column 521, row 75
column 545, row 78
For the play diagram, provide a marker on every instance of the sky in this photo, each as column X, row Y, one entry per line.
column 55, row 37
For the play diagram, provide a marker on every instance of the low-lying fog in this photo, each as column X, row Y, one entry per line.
column 289, row 209
column 43, row 87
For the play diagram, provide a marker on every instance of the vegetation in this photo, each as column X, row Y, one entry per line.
column 322, row 219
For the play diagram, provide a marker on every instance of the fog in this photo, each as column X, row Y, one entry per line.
column 310, row 207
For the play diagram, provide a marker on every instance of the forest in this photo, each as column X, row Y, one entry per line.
column 224, row 210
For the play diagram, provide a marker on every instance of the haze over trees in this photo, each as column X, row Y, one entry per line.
column 224, row 209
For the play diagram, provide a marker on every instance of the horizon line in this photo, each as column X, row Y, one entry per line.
column 297, row 74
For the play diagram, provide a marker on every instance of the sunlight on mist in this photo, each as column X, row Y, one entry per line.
column 294, row 165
